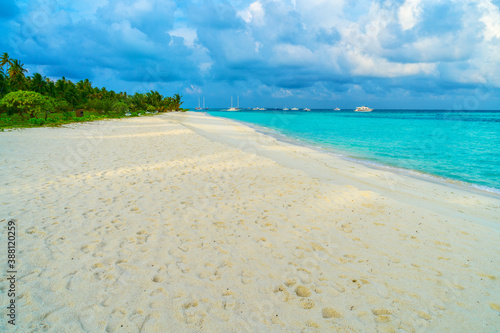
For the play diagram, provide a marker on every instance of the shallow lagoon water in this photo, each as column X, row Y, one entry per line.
column 460, row 146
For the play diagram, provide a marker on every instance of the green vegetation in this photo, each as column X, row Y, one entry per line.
column 27, row 101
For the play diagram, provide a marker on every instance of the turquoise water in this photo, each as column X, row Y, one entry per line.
column 459, row 146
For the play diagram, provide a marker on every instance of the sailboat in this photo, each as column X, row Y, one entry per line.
column 232, row 108
column 198, row 108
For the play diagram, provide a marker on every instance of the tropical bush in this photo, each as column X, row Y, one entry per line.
column 120, row 107
column 28, row 104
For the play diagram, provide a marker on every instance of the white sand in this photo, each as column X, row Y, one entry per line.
column 187, row 223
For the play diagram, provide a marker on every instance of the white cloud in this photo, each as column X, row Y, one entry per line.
column 258, row 46
column 491, row 20
column 446, row 48
column 205, row 66
column 188, row 34
column 131, row 35
column 365, row 65
column 321, row 13
column 136, row 8
column 193, row 90
column 282, row 93
column 292, row 54
column 409, row 14
column 253, row 14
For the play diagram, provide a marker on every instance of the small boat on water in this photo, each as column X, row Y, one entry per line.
column 307, row 109
column 363, row 109
column 199, row 107
column 295, row 109
column 336, row 109
column 233, row 108
column 286, row 109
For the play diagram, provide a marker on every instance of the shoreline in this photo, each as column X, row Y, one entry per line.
column 185, row 222
column 416, row 174
column 385, row 181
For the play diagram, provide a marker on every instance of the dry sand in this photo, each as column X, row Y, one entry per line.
column 188, row 223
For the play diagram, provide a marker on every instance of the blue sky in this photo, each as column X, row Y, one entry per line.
column 270, row 53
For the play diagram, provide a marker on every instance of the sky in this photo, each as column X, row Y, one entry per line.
column 411, row 54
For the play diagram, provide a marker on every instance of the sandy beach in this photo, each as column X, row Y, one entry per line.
column 188, row 223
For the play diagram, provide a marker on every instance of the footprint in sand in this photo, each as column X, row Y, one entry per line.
column 311, row 323
column 137, row 317
column 302, row 291
column 156, row 304
column 158, row 279
column 495, row 307
column 346, row 228
column 54, row 240
column 307, row 304
column 328, row 313
column 247, row 276
column 192, row 313
column 491, row 277
column 88, row 248
column 142, row 236
column 159, row 291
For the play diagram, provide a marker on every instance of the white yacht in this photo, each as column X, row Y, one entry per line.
column 307, row 109
column 363, row 109
column 286, row 109
column 295, row 109
column 336, row 109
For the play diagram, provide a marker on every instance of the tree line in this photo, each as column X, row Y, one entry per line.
column 37, row 96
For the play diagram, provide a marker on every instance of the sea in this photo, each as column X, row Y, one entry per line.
column 457, row 147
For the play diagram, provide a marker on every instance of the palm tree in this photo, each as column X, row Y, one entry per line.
column 16, row 68
column 5, row 60
column 177, row 101
column 51, row 87
column 71, row 94
column 38, row 84
column 61, row 85
column 84, row 87
column 16, row 73
column 138, row 102
column 154, row 98
column 3, row 83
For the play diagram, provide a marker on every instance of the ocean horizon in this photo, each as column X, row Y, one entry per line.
column 456, row 147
